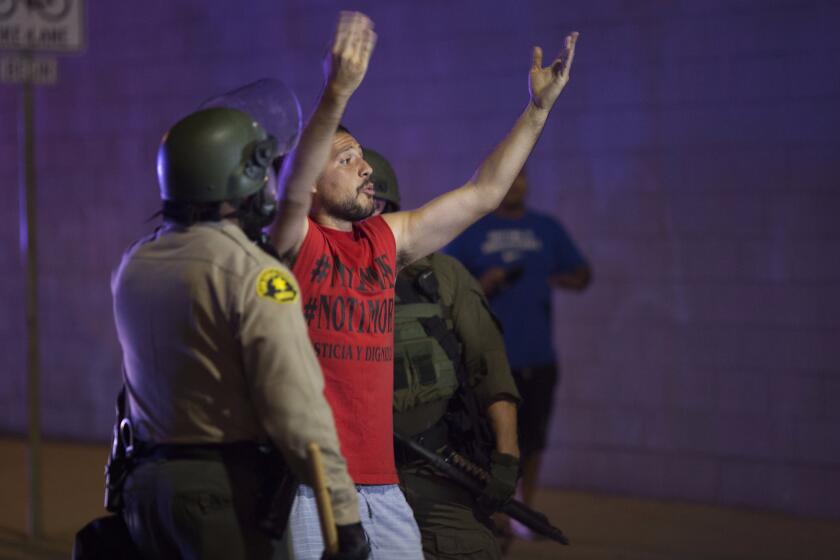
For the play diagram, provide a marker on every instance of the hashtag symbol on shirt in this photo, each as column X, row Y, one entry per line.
column 309, row 310
column 319, row 272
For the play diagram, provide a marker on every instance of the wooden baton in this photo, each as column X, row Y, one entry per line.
column 322, row 498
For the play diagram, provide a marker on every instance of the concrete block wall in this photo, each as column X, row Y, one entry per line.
column 693, row 157
column 703, row 362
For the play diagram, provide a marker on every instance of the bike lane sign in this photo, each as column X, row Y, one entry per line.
column 42, row 25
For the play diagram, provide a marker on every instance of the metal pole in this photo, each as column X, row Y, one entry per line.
column 29, row 256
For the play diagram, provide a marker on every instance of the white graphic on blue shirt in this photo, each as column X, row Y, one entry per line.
column 511, row 243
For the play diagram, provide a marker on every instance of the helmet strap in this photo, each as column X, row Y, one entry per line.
column 188, row 213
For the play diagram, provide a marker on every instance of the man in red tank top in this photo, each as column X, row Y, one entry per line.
column 346, row 263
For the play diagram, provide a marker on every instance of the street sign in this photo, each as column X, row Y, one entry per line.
column 27, row 26
column 16, row 69
column 42, row 25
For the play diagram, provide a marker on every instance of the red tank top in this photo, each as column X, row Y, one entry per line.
column 347, row 283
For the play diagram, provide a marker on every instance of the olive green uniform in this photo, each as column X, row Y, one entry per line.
column 198, row 310
column 425, row 381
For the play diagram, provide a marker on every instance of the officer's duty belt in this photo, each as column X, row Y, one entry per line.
column 238, row 451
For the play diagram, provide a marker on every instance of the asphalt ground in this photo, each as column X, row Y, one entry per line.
column 600, row 527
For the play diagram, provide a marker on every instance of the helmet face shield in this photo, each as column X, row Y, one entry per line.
column 225, row 151
column 272, row 104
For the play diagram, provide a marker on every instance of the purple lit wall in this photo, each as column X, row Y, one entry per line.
column 694, row 157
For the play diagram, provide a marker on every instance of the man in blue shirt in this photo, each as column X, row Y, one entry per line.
column 519, row 255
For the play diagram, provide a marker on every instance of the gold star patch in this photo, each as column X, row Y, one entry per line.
column 277, row 285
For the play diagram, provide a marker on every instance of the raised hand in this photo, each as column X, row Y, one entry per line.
column 545, row 84
column 347, row 62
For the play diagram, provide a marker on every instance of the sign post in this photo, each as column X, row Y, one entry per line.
column 27, row 26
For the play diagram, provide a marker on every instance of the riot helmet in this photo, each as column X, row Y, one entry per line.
column 212, row 156
column 384, row 180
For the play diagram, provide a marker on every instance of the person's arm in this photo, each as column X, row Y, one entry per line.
column 286, row 384
column 502, row 414
column 496, row 279
column 430, row 227
column 577, row 279
column 489, row 373
column 484, row 353
column 345, row 67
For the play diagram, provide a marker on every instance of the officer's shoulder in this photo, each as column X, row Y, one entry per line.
column 138, row 244
column 235, row 253
column 447, row 264
column 452, row 276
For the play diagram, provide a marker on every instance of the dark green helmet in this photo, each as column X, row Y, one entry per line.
column 214, row 155
column 383, row 178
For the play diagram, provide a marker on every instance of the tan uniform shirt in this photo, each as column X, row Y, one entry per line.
column 216, row 350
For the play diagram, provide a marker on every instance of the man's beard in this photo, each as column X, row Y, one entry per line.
column 349, row 210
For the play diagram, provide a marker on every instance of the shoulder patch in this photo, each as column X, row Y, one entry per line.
column 277, row 285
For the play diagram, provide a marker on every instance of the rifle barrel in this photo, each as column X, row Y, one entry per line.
column 534, row 520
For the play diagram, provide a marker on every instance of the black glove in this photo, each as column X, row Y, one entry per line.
column 352, row 543
column 504, row 470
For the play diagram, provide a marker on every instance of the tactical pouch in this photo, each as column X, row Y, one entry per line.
column 423, row 372
column 428, row 367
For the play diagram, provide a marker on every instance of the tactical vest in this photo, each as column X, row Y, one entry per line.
column 426, row 352
column 433, row 400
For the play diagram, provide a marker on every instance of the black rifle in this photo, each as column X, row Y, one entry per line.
column 472, row 477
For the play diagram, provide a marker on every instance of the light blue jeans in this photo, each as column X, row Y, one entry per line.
column 386, row 517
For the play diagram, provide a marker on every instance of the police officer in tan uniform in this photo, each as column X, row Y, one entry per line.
column 210, row 385
column 452, row 382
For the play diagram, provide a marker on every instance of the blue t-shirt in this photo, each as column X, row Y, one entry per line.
column 531, row 249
